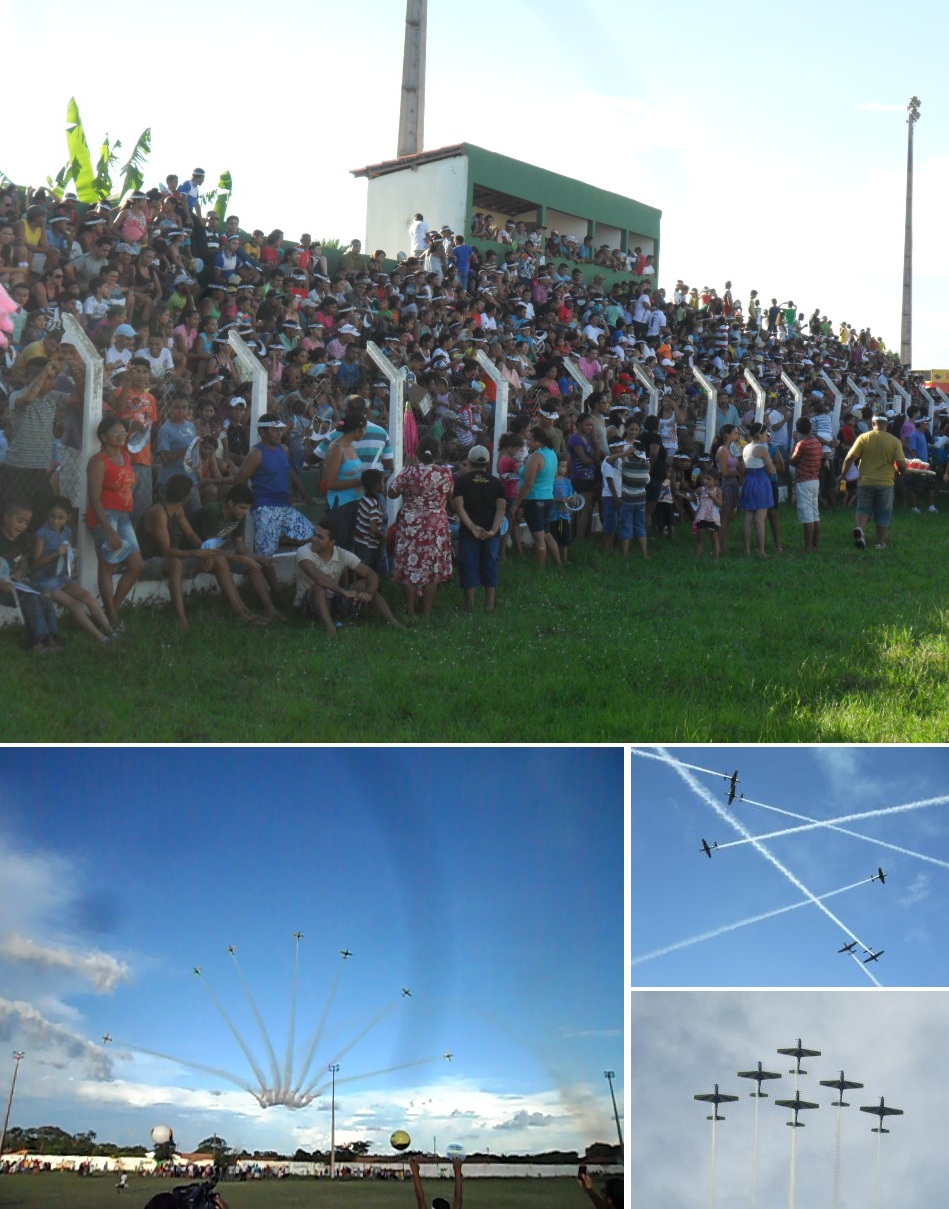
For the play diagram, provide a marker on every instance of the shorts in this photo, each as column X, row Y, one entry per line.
column 609, row 514
column 632, row 522
column 807, row 496
column 478, row 561
column 121, row 522
column 342, row 608
column 536, row 513
column 155, row 568
column 271, row 522
column 560, row 530
column 583, row 486
column 709, row 526
column 877, row 503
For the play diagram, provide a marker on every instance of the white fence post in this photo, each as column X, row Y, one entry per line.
column 760, row 395
column 858, row 391
column 797, row 394
column 396, row 380
column 651, row 389
column 91, row 415
column 502, row 391
column 711, row 411
column 256, row 375
column 586, row 386
column 838, row 398
column 902, row 392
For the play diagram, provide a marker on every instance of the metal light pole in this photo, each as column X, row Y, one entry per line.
column 18, row 1057
column 610, row 1075
column 906, row 325
column 333, row 1068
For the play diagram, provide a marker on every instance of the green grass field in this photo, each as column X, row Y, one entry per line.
column 57, row 1191
column 846, row 646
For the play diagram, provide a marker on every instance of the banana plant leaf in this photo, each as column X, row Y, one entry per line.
column 133, row 174
column 80, row 155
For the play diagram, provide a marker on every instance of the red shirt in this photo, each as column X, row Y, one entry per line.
column 808, row 454
column 117, row 487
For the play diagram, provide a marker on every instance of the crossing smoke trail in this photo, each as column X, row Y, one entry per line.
column 744, row 923
column 770, row 857
column 844, row 818
column 869, row 973
column 651, row 755
column 870, row 839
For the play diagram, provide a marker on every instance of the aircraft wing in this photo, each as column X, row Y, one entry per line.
column 758, row 1074
column 796, row 1104
column 889, row 1112
column 803, row 1053
column 712, row 1098
column 841, row 1084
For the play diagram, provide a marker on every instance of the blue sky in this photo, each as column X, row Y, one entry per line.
column 487, row 882
column 684, row 1041
column 678, row 895
column 772, row 138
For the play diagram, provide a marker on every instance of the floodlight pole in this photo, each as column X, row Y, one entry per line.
column 18, row 1057
column 333, row 1068
column 906, row 327
column 610, row 1075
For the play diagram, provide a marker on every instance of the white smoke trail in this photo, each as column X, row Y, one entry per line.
column 315, row 1040
column 879, row 1180
column 870, row 839
column 346, row 1048
column 844, row 818
column 651, row 755
column 759, row 847
column 792, row 1181
column 840, row 1114
column 713, row 1174
column 288, row 1059
column 869, row 973
column 274, row 1066
column 237, row 1036
column 755, row 1155
column 743, row 923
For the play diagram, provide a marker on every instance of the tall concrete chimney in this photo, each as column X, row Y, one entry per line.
column 412, row 110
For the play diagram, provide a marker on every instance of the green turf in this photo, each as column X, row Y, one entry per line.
column 61, row 1191
column 845, row 646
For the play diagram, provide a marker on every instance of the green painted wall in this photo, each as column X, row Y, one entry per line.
column 560, row 192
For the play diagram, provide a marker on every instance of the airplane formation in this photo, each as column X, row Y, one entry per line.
column 797, row 1105
column 879, row 876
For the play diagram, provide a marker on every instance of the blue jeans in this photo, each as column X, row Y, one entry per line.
column 478, row 560
column 877, row 503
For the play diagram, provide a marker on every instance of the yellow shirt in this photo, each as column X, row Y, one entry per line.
column 877, row 452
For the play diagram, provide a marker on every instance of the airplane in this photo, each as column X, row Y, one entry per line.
column 406, row 992
column 705, row 848
column 841, row 1084
column 796, row 1104
column 731, row 788
column 873, row 956
column 231, row 949
column 848, row 948
column 298, row 936
column 879, row 876
column 881, row 1112
column 447, row 1056
column 196, row 970
column 799, row 1052
column 344, row 953
column 715, row 1097
column 106, row 1038
column 758, row 1075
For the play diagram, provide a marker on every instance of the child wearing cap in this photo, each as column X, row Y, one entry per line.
column 611, row 493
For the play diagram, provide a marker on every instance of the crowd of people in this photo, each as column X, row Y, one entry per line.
column 157, row 285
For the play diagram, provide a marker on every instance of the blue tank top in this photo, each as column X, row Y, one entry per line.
column 543, row 488
column 271, row 481
column 347, row 469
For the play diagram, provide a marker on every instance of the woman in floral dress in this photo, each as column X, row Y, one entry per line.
column 423, row 541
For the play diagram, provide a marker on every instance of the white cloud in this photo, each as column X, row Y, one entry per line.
column 917, row 890
column 26, row 1027
column 101, row 969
